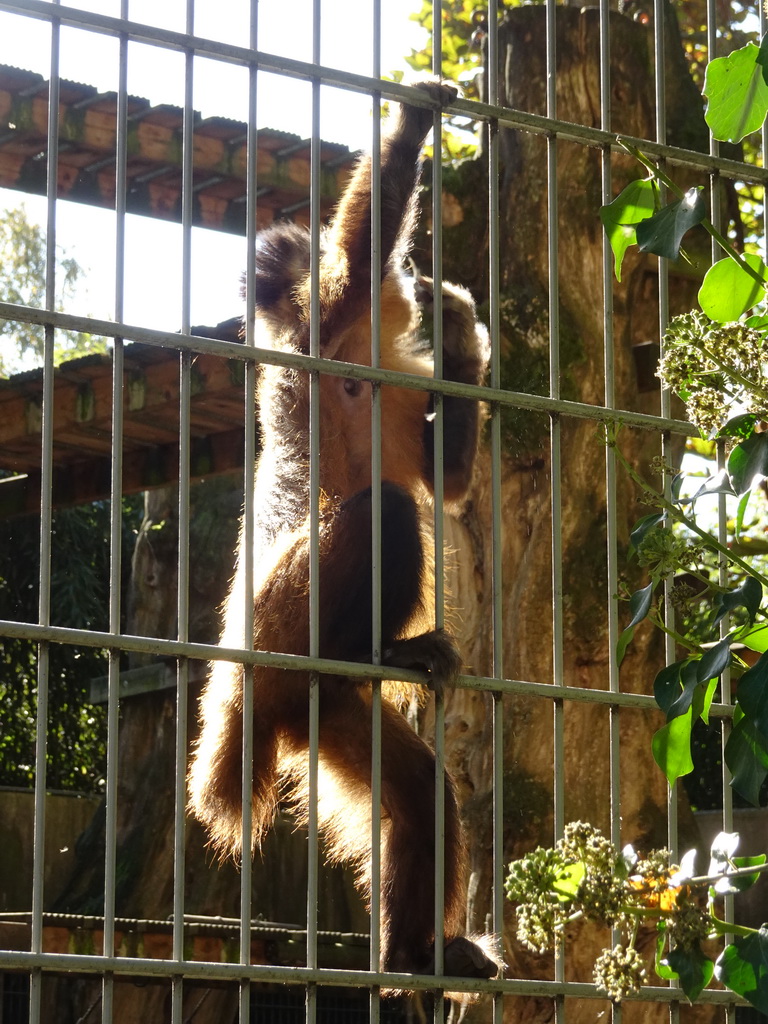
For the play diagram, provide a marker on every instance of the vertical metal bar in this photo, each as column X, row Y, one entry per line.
column 247, row 532
column 115, row 565
column 375, row 951
column 182, row 598
column 663, row 279
column 314, row 525
column 614, row 714
column 497, row 604
column 438, row 516
column 46, row 516
column 556, row 458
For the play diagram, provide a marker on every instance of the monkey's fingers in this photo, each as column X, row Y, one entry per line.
column 434, row 652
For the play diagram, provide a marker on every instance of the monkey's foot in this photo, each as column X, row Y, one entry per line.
column 434, row 652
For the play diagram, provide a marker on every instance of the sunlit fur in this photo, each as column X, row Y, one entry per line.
column 281, row 559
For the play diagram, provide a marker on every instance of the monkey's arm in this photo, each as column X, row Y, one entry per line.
column 345, row 290
column 465, row 359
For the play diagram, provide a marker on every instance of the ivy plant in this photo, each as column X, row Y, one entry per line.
column 585, row 877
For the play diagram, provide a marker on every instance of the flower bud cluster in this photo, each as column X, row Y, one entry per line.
column 687, row 926
column 711, row 366
column 665, row 552
column 540, row 912
column 619, row 972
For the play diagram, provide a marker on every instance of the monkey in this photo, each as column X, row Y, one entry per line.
column 281, row 559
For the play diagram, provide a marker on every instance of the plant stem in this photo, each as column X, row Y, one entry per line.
column 679, row 517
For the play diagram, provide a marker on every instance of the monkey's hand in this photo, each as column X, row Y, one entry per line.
column 466, row 349
column 414, row 122
column 434, row 652
column 463, row 958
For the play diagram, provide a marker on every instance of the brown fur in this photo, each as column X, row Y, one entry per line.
column 281, row 609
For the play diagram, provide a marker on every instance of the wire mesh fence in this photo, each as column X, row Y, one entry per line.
column 540, row 727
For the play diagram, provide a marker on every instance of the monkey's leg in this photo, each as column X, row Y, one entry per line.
column 346, row 578
column 215, row 777
column 407, row 827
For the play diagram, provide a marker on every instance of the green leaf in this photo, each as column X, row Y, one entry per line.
column 633, row 205
column 707, row 695
column 639, row 605
column 689, row 677
column 756, row 639
column 752, row 694
column 694, row 970
column 762, row 57
column 743, row 968
column 666, row 685
column 728, row 291
column 741, row 883
column 742, row 426
column 716, row 659
column 663, row 233
column 567, row 882
column 661, row 966
column 741, row 512
column 748, row 596
column 747, row 460
column 737, row 94
column 671, row 747
column 746, row 757
column 642, row 527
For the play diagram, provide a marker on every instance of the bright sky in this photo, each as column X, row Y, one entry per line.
column 153, row 249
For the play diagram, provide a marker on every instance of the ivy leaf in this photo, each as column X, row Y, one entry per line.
column 720, row 483
column 737, row 93
column 642, row 527
column 689, row 677
column 753, row 694
column 661, row 966
column 666, row 685
column 747, row 460
column 756, row 639
column 639, row 605
column 671, row 747
column 705, row 696
column 746, row 757
column 740, row 883
column 634, row 204
column 742, row 426
column 762, row 57
column 741, row 512
column 743, row 968
column 748, row 596
column 567, row 882
column 716, row 660
column 663, row 233
column 728, row 291
column 694, row 970
column 721, row 852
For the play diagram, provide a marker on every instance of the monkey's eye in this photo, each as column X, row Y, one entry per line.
column 353, row 387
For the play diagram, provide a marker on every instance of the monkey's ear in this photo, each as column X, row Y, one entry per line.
column 282, row 263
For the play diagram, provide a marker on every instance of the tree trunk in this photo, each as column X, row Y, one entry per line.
column 527, row 470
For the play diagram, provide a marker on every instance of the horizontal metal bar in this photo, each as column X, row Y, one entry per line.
column 299, row 663
column 515, row 119
column 143, row 967
column 337, row 368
